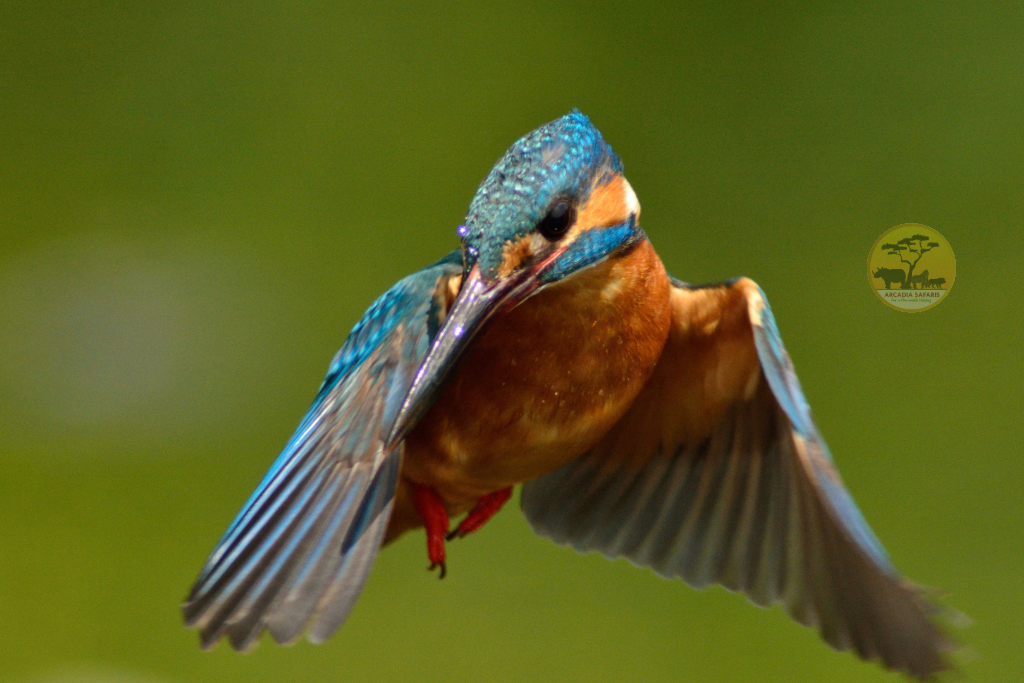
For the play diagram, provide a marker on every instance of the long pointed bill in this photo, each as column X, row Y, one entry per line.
column 476, row 303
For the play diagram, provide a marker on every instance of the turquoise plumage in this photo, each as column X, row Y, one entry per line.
column 298, row 552
column 647, row 418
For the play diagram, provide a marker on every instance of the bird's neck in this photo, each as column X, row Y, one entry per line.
column 547, row 379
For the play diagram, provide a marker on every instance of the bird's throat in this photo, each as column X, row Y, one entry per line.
column 544, row 381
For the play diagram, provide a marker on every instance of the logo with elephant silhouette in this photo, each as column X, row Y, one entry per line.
column 911, row 267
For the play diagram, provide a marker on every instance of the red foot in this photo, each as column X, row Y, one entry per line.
column 435, row 519
column 484, row 509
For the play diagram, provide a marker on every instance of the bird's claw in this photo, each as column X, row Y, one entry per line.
column 432, row 511
column 435, row 519
column 484, row 509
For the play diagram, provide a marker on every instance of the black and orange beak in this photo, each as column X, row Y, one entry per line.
column 477, row 302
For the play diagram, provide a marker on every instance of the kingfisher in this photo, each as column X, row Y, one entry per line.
column 645, row 418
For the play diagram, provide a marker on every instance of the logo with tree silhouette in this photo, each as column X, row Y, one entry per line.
column 911, row 267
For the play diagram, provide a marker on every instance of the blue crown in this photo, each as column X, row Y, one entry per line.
column 559, row 159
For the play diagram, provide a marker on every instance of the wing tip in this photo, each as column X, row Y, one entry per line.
column 246, row 640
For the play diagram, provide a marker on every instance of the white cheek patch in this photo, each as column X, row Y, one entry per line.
column 537, row 243
column 611, row 290
column 632, row 203
column 755, row 304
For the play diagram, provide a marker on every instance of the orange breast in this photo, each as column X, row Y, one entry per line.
column 545, row 381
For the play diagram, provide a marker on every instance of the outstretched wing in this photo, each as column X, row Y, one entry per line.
column 717, row 474
column 298, row 553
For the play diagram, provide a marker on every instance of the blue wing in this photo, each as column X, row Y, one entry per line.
column 298, row 553
column 717, row 474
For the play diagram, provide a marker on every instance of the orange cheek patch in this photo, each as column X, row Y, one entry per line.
column 450, row 292
column 514, row 253
column 606, row 206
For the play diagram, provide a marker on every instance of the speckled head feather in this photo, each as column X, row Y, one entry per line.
column 559, row 159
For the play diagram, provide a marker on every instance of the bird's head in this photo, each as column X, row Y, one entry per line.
column 554, row 204
column 551, row 188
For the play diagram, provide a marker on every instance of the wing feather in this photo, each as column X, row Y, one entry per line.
column 297, row 555
column 717, row 474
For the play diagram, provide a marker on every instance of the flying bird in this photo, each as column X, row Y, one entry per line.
column 645, row 417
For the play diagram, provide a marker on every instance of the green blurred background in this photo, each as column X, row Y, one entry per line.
column 197, row 202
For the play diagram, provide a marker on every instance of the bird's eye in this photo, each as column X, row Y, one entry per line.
column 558, row 220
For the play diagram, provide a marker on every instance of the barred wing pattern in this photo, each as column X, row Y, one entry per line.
column 298, row 553
column 717, row 474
